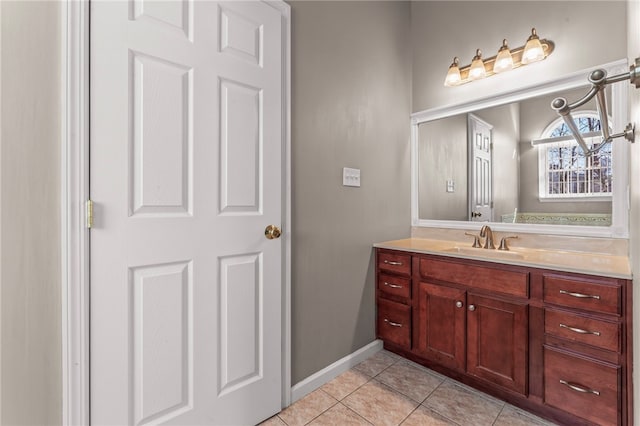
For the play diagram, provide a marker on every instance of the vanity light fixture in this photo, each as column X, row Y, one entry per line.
column 534, row 50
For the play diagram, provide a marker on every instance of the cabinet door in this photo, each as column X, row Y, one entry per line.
column 439, row 326
column 497, row 341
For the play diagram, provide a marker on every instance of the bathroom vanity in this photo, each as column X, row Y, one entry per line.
column 547, row 325
column 542, row 337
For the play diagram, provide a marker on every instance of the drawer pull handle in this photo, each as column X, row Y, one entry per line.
column 392, row 285
column 579, row 388
column 580, row 295
column 392, row 324
column 579, row 330
column 392, row 263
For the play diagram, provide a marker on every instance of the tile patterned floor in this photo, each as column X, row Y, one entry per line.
column 388, row 390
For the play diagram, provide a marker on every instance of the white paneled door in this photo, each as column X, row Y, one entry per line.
column 480, row 170
column 186, row 172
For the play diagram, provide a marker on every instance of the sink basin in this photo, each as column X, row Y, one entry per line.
column 480, row 252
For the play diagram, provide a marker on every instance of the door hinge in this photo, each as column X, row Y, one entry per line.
column 89, row 214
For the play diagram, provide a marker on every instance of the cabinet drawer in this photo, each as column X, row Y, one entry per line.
column 394, row 323
column 592, row 296
column 491, row 279
column 395, row 286
column 586, row 388
column 397, row 263
column 590, row 331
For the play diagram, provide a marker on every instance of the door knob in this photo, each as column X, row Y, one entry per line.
column 459, row 304
column 272, row 232
column 476, row 214
column 472, row 308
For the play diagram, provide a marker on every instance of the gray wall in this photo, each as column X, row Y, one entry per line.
column 505, row 157
column 444, row 29
column 30, row 199
column 351, row 98
column 442, row 155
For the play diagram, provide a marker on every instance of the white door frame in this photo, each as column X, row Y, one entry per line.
column 75, row 192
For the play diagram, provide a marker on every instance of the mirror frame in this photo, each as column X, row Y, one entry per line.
column 620, row 195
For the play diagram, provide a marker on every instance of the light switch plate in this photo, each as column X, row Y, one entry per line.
column 451, row 185
column 350, row 177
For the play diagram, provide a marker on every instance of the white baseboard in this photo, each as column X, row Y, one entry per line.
column 313, row 382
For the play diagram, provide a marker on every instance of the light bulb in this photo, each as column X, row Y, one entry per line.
column 453, row 75
column 504, row 61
column 477, row 70
column 533, row 49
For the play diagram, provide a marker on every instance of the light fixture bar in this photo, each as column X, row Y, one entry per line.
column 506, row 59
column 516, row 54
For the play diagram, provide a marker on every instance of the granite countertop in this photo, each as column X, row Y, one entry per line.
column 600, row 264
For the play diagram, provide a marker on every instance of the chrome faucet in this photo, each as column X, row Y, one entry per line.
column 487, row 234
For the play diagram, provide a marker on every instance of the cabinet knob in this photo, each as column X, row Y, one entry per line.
column 459, row 304
column 472, row 308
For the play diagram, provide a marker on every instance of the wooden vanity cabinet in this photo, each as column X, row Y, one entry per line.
column 470, row 320
column 585, row 347
column 554, row 343
column 393, row 292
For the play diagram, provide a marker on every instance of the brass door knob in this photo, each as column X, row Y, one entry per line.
column 272, row 232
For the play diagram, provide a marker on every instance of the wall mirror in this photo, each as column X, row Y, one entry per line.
column 510, row 161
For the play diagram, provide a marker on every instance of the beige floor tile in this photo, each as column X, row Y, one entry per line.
column 475, row 391
column 339, row 415
column 380, row 404
column 422, row 367
column 415, row 383
column 308, row 408
column 273, row 421
column 345, row 383
column 376, row 364
column 391, row 354
column 463, row 406
column 512, row 416
column 424, row 416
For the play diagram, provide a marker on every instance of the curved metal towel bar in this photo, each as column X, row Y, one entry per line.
column 599, row 81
